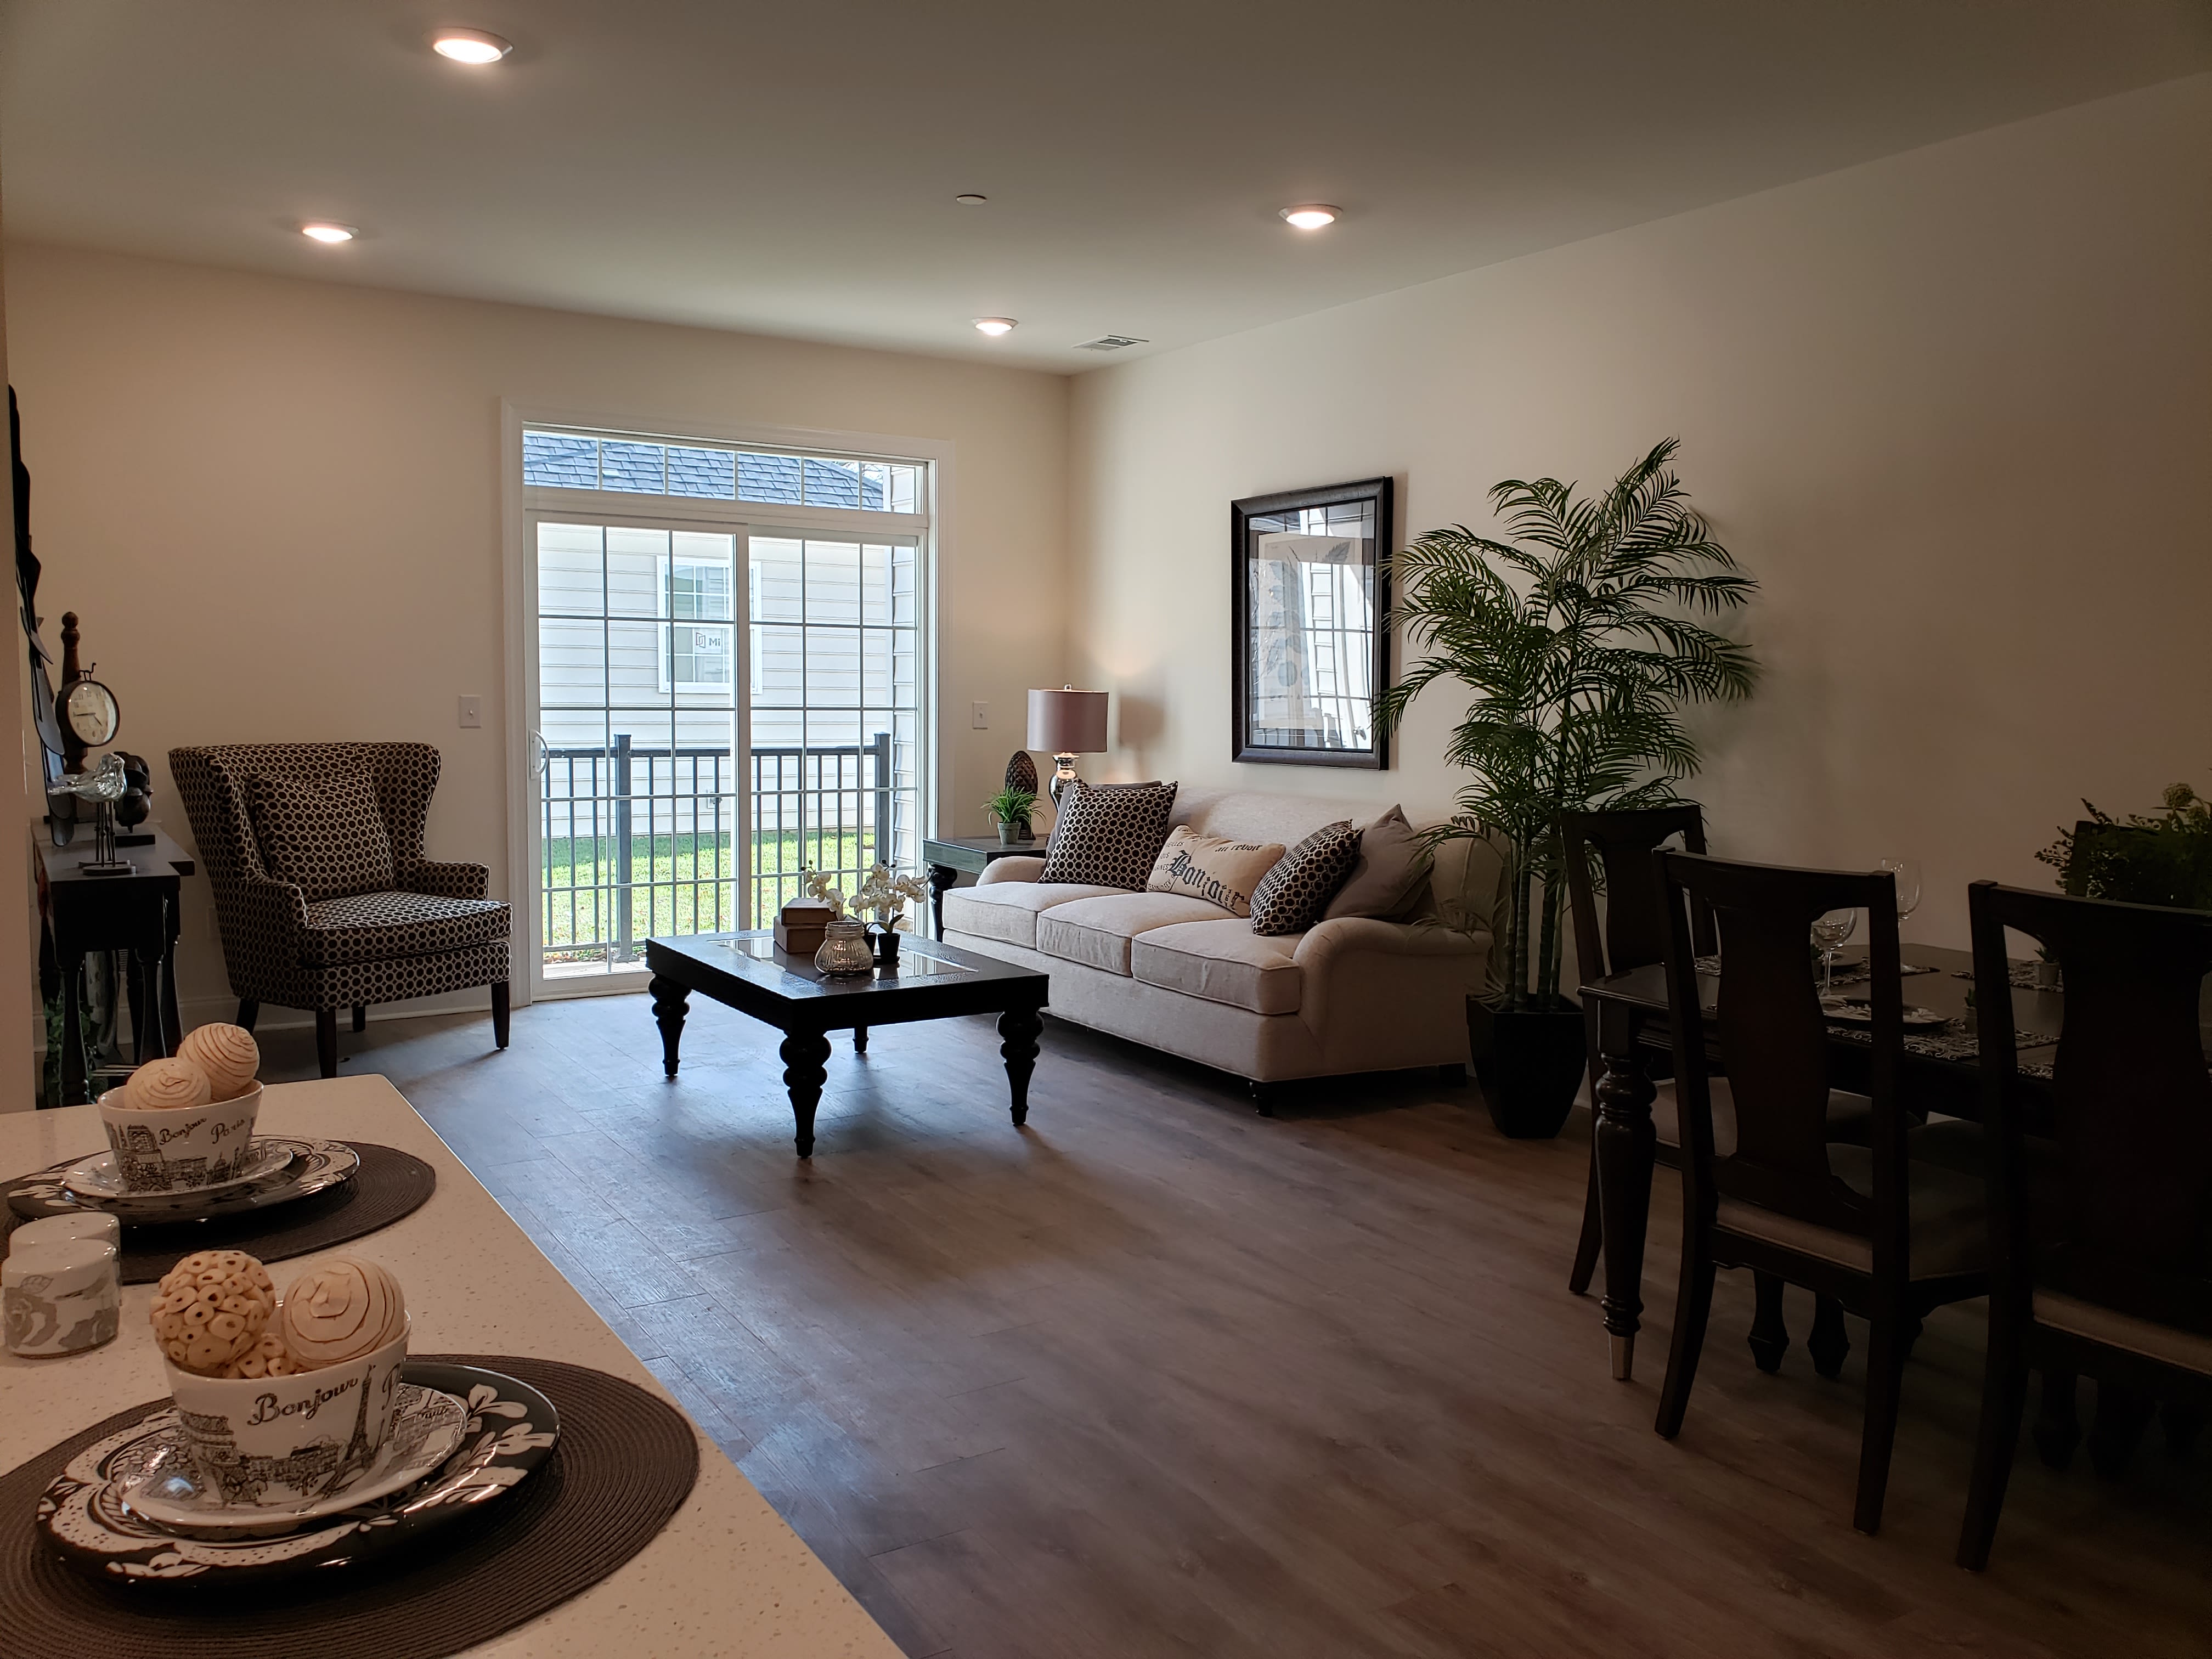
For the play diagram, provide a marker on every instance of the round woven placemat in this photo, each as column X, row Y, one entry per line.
column 389, row 1184
column 624, row 1464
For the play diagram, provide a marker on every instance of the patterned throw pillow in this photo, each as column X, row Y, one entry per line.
column 1292, row 897
column 324, row 834
column 1108, row 834
column 1212, row 867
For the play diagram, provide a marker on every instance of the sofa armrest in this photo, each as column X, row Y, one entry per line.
column 1022, row 868
column 1361, row 977
column 443, row 880
column 1346, row 935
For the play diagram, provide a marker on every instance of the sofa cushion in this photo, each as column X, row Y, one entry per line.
column 325, row 834
column 1292, row 897
column 1215, row 868
column 1390, row 878
column 1008, row 910
column 1097, row 932
column 376, row 926
column 1222, row 962
column 1107, row 834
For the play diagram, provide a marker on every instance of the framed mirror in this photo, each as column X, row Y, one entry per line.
column 1308, row 649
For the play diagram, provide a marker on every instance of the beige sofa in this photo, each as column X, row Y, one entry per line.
column 1352, row 995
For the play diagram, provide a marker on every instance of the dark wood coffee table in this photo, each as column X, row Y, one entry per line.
column 747, row 972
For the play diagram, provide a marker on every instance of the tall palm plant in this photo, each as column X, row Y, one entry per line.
column 1580, row 641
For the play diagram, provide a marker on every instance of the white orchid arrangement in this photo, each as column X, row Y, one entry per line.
column 819, row 887
column 885, row 895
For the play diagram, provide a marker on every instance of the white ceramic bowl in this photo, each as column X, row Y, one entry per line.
column 288, row 1440
column 178, row 1149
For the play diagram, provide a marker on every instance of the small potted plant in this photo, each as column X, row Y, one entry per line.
column 1010, row 810
column 885, row 896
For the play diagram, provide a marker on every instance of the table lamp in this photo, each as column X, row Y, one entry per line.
column 1064, row 724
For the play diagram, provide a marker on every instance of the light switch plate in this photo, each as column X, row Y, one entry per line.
column 472, row 712
column 980, row 718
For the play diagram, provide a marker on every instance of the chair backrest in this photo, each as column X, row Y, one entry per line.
column 210, row 782
column 1634, row 932
column 1774, row 1043
column 2122, row 1214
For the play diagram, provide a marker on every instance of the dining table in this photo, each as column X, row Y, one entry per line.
column 726, row 1576
column 1938, row 1073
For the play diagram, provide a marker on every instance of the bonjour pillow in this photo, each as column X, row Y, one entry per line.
column 1392, row 871
column 1292, row 897
column 324, row 834
column 1212, row 867
column 1109, row 835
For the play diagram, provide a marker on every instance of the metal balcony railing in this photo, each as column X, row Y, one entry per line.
column 638, row 841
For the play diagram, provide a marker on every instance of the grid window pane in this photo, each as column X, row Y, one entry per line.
column 769, row 478
column 702, row 473
column 639, row 469
column 566, row 463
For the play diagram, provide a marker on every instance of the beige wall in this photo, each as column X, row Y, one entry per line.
column 276, row 505
column 1954, row 409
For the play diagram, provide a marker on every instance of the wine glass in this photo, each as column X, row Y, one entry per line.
column 1907, row 871
column 1830, row 930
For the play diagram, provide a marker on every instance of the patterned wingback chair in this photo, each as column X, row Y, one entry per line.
column 435, row 931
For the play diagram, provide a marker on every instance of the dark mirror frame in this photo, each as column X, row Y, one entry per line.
column 1382, row 494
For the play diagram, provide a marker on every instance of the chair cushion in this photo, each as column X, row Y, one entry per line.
column 1850, row 1117
column 1215, row 868
column 1950, row 1227
column 372, row 926
column 2168, row 1343
column 1390, row 878
column 1008, row 910
column 1109, row 835
column 325, row 834
column 1292, row 897
column 1097, row 932
column 1222, row 961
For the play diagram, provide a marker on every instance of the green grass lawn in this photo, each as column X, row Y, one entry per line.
column 677, row 882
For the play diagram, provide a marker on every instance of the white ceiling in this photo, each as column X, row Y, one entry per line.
column 791, row 170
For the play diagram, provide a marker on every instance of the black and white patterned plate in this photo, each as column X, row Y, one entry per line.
column 96, row 1179
column 511, row 1430
column 315, row 1166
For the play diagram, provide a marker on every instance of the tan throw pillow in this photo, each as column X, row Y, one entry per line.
column 1392, row 875
column 1212, row 867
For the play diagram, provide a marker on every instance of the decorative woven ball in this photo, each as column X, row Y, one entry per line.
column 172, row 1083
column 228, row 1054
column 211, row 1308
column 342, row 1310
column 266, row 1357
column 1021, row 772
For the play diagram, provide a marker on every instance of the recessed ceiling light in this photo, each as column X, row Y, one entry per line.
column 1312, row 216
column 994, row 324
column 469, row 46
column 323, row 231
column 971, row 200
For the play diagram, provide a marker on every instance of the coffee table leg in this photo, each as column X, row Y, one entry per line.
column 1017, row 1030
column 804, row 1074
column 670, row 1002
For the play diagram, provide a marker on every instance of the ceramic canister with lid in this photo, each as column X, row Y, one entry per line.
column 60, row 1295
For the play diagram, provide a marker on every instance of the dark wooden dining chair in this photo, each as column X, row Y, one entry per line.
column 2100, row 1256
column 1633, row 934
column 1872, row 1231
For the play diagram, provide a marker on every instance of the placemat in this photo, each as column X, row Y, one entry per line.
column 625, row 1463
column 389, row 1184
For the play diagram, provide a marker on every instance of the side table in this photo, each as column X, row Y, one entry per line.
column 139, row 915
column 947, row 856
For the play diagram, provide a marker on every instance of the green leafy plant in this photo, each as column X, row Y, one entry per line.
column 2164, row 858
column 1011, row 805
column 1580, row 641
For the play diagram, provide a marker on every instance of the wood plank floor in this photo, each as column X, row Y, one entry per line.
column 1157, row 1376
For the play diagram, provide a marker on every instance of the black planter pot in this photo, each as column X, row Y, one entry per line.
column 1530, row 1066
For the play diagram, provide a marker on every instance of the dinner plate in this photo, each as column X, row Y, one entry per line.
column 158, row 1479
column 315, row 1166
column 98, row 1177
column 1859, row 1011
column 510, row 1429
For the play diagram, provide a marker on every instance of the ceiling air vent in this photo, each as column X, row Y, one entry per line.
column 1111, row 343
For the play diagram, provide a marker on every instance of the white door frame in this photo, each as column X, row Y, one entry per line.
column 522, row 509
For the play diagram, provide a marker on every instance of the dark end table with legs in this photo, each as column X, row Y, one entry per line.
column 949, row 856
column 747, row 972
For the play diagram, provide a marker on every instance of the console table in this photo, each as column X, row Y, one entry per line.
column 137, row 916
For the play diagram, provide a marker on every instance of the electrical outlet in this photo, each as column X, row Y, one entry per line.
column 472, row 712
column 981, row 716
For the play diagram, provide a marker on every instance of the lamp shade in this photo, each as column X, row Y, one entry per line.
column 1067, row 722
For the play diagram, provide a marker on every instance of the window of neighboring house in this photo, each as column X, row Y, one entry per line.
column 699, row 655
